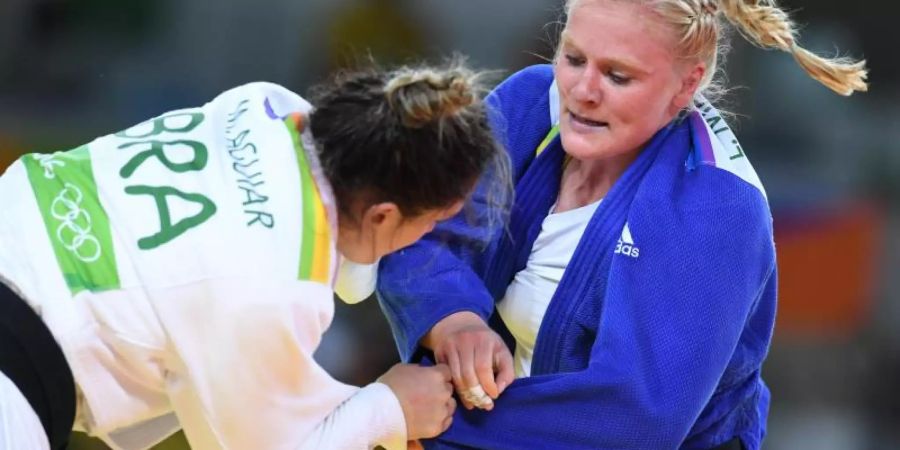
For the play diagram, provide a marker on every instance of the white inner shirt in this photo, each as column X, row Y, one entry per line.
column 527, row 297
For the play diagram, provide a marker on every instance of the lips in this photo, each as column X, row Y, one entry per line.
column 587, row 122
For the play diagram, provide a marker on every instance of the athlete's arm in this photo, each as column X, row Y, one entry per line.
column 241, row 372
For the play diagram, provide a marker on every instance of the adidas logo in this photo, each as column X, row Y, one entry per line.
column 626, row 246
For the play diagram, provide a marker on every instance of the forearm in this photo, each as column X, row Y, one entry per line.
column 575, row 411
column 423, row 285
column 644, row 385
column 371, row 417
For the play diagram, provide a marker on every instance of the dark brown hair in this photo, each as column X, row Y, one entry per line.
column 414, row 136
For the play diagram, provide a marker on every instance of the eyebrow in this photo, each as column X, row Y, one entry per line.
column 614, row 62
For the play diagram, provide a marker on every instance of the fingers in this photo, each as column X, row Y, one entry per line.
column 467, row 368
column 449, row 409
column 484, row 371
column 503, row 363
column 484, row 389
column 425, row 395
column 476, row 396
column 450, row 406
column 440, row 374
column 454, row 367
column 479, row 364
column 444, row 369
column 457, row 365
column 446, row 380
column 440, row 355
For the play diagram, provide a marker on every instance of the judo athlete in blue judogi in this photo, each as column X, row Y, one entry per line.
column 635, row 279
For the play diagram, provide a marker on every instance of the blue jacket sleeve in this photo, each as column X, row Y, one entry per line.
column 438, row 276
column 671, row 323
column 422, row 284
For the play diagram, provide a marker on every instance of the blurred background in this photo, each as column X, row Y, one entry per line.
column 71, row 70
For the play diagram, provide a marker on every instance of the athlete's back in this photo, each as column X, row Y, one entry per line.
column 151, row 251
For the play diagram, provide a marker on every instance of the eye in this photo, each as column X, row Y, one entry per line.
column 574, row 61
column 618, row 78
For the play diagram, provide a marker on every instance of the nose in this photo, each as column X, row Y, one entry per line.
column 588, row 88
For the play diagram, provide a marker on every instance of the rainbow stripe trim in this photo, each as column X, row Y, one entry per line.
column 702, row 139
column 554, row 131
column 315, row 243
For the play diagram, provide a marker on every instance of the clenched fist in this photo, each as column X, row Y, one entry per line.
column 426, row 396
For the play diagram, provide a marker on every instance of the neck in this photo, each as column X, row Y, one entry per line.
column 587, row 181
column 352, row 243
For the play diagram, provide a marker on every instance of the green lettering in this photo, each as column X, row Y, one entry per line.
column 252, row 184
column 252, row 196
column 238, row 141
column 232, row 151
column 740, row 151
column 160, row 125
column 713, row 121
column 157, row 149
column 168, row 230
column 266, row 219
column 238, row 112
column 239, row 169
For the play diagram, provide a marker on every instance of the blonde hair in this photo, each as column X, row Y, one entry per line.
column 762, row 23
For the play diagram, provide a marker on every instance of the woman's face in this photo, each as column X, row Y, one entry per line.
column 383, row 229
column 619, row 78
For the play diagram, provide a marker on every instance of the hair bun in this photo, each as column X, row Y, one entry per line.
column 424, row 95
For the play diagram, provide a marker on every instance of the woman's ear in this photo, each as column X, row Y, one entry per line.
column 690, row 82
column 382, row 216
column 379, row 225
column 364, row 239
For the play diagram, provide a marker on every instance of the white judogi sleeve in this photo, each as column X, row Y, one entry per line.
column 355, row 282
column 242, row 373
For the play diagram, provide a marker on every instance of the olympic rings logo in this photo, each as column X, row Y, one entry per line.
column 74, row 231
column 49, row 164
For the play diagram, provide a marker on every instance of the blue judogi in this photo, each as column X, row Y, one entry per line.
column 656, row 334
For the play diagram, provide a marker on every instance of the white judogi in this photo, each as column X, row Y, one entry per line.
column 186, row 265
column 20, row 427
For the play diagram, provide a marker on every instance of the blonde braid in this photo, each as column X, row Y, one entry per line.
column 697, row 23
column 768, row 26
column 697, row 19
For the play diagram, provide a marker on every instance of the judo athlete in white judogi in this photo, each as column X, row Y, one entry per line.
column 180, row 273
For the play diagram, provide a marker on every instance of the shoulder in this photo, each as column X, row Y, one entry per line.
column 534, row 79
column 704, row 227
column 715, row 145
column 725, row 213
column 524, row 92
column 718, row 171
column 715, row 197
column 713, row 174
column 277, row 100
column 522, row 111
column 708, row 195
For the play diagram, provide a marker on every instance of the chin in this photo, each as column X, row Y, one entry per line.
column 583, row 147
column 353, row 255
column 360, row 259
